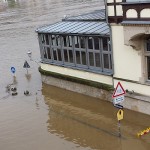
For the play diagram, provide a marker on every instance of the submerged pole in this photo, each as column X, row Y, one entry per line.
column 119, row 128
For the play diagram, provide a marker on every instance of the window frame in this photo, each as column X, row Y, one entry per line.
column 147, row 54
column 97, row 51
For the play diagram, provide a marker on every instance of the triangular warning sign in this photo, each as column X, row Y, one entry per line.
column 26, row 65
column 118, row 91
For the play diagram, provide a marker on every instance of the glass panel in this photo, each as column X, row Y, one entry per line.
column 59, row 54
column 42, row 37
column 148, row 67
column 78, row 57
column 148, row 45
column 76, row 40
column 110, row 62
column 69, row 41
column 66, row 55
column 71, row 56
column 47, row 39
column 54, row 54
column 82, row 42
column 44, row 52
column 91, row 59
column 83, row 55
column 96, row 43
column 106, row 61
column 57, row 40
column 48, row 53
column 97, row 59
column 90, row 43
column 105, row 44
column 65, row 41
column 53, row 40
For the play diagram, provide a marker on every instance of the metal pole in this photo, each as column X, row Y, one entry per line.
column 119, row 128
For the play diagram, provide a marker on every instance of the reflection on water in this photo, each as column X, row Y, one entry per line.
column 28, row 77
column 90, row 122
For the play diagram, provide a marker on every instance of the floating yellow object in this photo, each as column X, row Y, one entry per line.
column 120, row 114
column 139, row 134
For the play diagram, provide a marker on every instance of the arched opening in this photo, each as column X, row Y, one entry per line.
column 145, row 13
column 131, row 13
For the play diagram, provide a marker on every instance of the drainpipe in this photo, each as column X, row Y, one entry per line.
column 111, row 43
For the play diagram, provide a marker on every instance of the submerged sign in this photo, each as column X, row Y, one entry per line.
column 118, row 91
column 26, row 65
column 118, row 100
column 118, row 95
column 13, row 70
column 120, row 114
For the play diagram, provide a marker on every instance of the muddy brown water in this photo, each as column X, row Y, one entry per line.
column 53, row 118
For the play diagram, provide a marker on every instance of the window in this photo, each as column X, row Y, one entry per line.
column 148, row 67
column 91, row 53
column 147, row 55
column 67, row 49
column 56, row 48
column 80, row 51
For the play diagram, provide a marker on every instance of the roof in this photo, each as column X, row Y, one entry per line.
column 76, row 28
column 98, row 15
column 135, row 2
column 136, row 23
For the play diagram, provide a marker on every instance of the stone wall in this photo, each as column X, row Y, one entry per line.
column 79, row 88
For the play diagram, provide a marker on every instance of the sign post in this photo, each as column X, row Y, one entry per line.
column 118, row 94
column 119, row 117
column 118, row 97
column 13, row 70
column 26, row 65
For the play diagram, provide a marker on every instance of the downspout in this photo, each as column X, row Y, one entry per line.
column 111, row 43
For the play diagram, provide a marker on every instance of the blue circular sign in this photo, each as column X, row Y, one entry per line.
column 13, row 70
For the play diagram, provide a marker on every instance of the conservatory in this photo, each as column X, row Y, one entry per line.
column 80, row 42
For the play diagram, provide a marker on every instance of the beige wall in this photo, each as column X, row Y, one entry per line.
column 128, row 64
column 79, row 74
column 127, row 61
column 137, row 88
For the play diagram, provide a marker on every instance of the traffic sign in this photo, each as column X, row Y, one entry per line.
column 120, row 114
column 118, row 100
column 13, row 70
column 26, row 65
column 119, row 90
column 118, row 106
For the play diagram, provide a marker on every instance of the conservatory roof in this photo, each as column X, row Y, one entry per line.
column 76, row 28
column 97, row 15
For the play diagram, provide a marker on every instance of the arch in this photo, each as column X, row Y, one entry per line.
column 145, row 13
column 137, row 36
column 131, row 13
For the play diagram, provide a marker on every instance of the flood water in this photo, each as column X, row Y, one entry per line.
column 52, row 118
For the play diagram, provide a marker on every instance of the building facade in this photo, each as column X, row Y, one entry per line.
column 129, row 21
column 78, row 47
column 99, row 50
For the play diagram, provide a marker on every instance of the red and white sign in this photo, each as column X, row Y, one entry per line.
column 119, row 91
